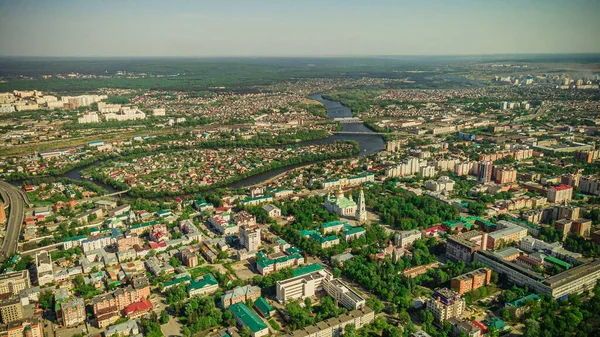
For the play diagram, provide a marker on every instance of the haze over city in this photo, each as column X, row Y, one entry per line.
column 297, row 28
column 246, row 168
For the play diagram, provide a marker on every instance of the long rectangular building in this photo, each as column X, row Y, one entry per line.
column 335, row 326
column 573, row 281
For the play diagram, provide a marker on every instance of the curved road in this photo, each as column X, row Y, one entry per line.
column 15, row 198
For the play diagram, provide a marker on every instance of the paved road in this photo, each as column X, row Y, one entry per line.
column 15, row 199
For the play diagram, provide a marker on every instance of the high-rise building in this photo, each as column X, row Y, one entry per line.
column 250, row 237
column 361, row 210
column 11, row 309
column 43, row 268
column 504, row 175
column 445, row 304
column 485, row 171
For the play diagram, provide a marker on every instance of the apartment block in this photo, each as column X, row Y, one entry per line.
column 471, row 281
column 560, row 193
column 11, row 309
column 589, row 185
column 43, row 268
column 335, row 326
column 70, row 312
column 508, row 232
column 461, row 247
column 32, row 327
column 250, row 237
column 445, row 304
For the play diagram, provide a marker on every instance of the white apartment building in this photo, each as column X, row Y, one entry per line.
column 250, row 237
column 88, row 117
column 408, row 167
column 97, row 243
column 427, row 171
column 444, row 183
column 125, row 114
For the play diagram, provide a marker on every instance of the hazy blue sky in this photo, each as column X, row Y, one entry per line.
column 296, row 28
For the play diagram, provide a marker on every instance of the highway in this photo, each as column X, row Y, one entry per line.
column 15, row 198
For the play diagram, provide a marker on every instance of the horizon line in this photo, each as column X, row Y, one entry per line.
column 303, row 56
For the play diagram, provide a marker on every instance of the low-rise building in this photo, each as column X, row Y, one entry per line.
column 240, row 294
column 407, row 238
column 335, row 326
column 204, row 285
column 244, row 317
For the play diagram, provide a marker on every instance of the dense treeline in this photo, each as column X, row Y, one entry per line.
column 197, row 314
column 576, row 243
column 382, row 276
column 572, row 317
column 406, row 211
column 309, row 314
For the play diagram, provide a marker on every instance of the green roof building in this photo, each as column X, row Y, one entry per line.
column 497, row 323
column 245, row 317
column 558, row 262
column 207, row 284
column 263, row 307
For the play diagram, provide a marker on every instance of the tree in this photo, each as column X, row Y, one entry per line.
column 350, row 331
column 532, row 328
column 245, row 332
column 175, row 262
column 164, row 317
column 337, row 273
column 47, row 300
column 375, row 304
column 426, row 317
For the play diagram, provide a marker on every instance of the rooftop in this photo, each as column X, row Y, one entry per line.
column 244, row 314
column 307, row 269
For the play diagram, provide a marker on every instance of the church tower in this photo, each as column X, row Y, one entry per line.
column 361, row 210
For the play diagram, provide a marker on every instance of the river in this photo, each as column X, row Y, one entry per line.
column 369, row 144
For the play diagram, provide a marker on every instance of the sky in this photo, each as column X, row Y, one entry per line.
column 200, row 28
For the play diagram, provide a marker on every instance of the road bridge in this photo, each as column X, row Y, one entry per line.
column 346, row 120
column 16, row 201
